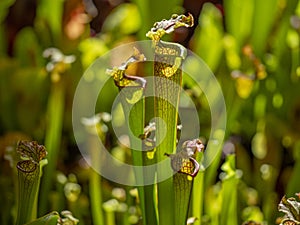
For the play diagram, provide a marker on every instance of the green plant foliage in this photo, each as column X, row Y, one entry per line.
column 208, row 39
column 49, row 219
column 53, row 218
column 251, row 46
column 51, row 13
column 124, row 20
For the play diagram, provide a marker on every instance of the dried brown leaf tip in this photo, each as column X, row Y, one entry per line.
column 121, row 79
column 184, row 161
column 163, row 27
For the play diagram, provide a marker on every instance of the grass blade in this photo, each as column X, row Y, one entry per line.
column 52, row 140
column 229, row 193
column 198, row 198
column 55, row 113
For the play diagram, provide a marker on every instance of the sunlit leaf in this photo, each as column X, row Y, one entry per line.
column 124, row 19
column 208, row 38
column 263, row 19
column 52, row 13
column 238, row 19
column 91, row 49
column 49, row 219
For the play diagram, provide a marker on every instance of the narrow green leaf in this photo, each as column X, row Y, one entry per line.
column 52, row 13
column 283, row 26
column 123, row 20
column 229, row 193
column 95, row 186
column 52, row 140
column 238, row 19
column 208, row 38
column 198, row 197
column 55, row 113
column 264, row 16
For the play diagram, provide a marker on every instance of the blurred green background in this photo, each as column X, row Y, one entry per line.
column 252, row 47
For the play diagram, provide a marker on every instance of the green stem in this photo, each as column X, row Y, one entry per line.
column 95, row 185
column 136, row 125
column 229, row 193
column 52, row 140
column 110, row 218
column 198, row 191
column 96, row 197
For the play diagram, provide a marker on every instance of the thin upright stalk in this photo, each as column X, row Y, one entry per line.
column 198, row 191
column 95, row 187
column 52, row 140
column 136, row 125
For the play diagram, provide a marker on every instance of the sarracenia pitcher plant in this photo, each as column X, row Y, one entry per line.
column 173, row 193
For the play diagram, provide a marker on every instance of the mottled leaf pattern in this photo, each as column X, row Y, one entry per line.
column 291, row 208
